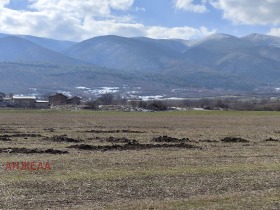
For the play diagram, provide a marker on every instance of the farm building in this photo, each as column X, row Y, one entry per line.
column 58, row 99
column 20, row 101
column 24, row 101
column 42, row 104
column 75, row 100
column 7, row 101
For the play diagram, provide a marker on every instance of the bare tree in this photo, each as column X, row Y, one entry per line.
column 106, row 99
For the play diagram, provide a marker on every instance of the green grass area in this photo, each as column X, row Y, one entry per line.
column 165, row 113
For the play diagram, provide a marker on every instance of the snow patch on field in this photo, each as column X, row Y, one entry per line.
column 82, row 88
column 147, row 98
column 98, row 90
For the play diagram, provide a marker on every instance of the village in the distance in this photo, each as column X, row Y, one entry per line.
column 32, row 102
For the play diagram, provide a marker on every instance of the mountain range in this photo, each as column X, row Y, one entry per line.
column 217, row 62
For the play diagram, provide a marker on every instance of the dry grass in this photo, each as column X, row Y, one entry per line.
column 220, row 176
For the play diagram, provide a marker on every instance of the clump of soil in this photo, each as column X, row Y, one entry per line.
column 83, row 146
column 55, row 151
column 5, row 138
column 169, row 139
column 113, row 131
column 210, row 141
column 23, row 135
column 49, row 129
column 120, row 140
column 132, row 146
column 271, row 139
column 8, row 130
column 234, row 140
column 31, row 151
column 26, row 135
column 63, row 138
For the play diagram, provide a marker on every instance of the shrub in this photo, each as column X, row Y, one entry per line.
column 93, row 104
column 157, row 106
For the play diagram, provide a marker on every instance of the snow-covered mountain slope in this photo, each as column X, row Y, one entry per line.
column 124, row 53
column 174, row 44
column 221, row 43
column 263, row 40
column 217, row 61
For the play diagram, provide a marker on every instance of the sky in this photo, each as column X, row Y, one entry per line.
column 77, row 20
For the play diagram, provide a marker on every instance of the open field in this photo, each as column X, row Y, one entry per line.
column 127, row 160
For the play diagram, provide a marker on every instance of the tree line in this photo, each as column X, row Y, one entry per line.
column 240, row 104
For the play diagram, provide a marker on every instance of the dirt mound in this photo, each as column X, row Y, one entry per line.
column 49, row 129
column 22, row 135
column 234, row 140
column 169, row 139
column 132, row 146
column 26, row 135
column 113, row 131
column 120, row 140
column 8, row 130
column 273, row 140
column 55, row 151
column 5, row 138
column 208, row 140
column 31, row 151
column 63, row 138
column 83, row 146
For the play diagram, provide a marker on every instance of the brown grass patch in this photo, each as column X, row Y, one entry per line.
column 135, row 174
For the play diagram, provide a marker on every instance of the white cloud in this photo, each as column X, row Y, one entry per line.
column 121, row 4
column 78, row 8
column 274, row 32
column 78, row 20
column 189, row 5
column 249, row 11
column 141, row 9
column 136, row 29
column 4, row 2
column 112, row 27
column 62, row 19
